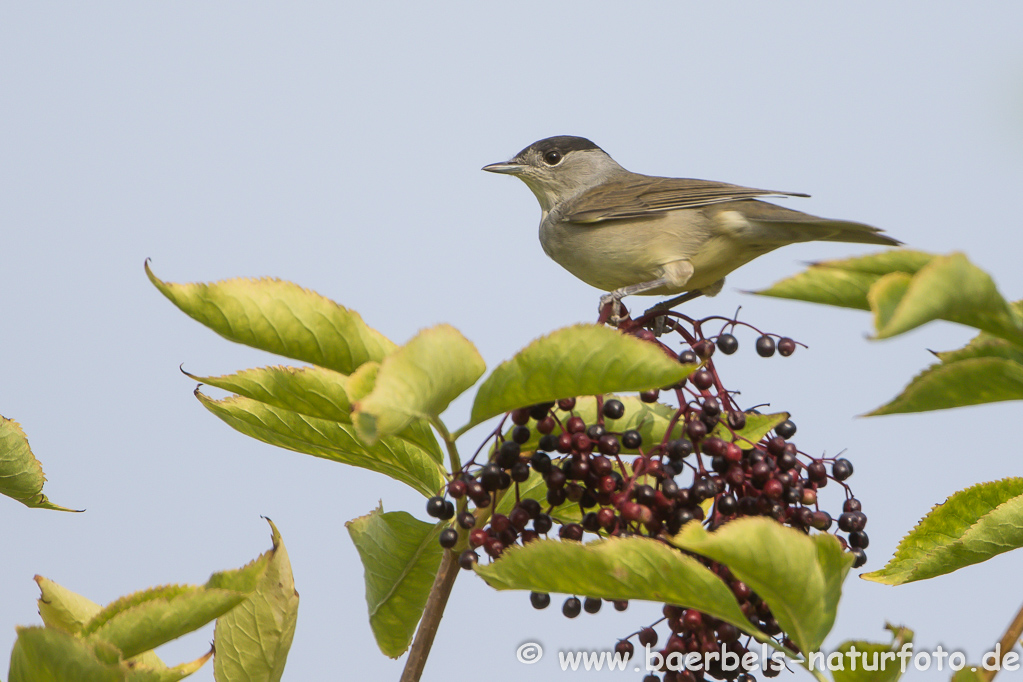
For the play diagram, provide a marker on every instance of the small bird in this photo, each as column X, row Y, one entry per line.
column 627, row 233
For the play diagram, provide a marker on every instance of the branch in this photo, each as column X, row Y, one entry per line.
column 434, row 611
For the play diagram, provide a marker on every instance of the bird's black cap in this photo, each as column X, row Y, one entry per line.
column 561, row 143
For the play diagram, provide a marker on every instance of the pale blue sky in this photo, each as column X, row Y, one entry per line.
column 339, row 146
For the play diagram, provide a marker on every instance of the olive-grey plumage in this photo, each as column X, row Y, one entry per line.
column 627, row 233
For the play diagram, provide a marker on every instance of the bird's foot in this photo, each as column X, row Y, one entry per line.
column 611, row 309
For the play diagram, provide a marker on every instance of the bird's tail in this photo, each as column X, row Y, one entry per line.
column 824, row 230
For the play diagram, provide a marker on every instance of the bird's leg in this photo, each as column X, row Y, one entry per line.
column 672, row 302
column 616, row 296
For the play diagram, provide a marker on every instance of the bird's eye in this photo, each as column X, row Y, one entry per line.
column 552, row 158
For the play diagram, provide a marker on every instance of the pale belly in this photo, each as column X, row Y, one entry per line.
column 615, row 254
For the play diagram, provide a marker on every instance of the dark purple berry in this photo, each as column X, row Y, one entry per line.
column 688, row 357
column 448, row 538
column 728, row 344
column 468, row 559
column 595, row 431
column 624, row 648
column 540, row 411
column 520, row 434
column 737, row 420
column 591, row 605
column 490, row 476
column 852, row 505
column 457, row 489
column 702, row 379
column 566, row 404
column 539, row 600
column 680, row 448
column 520, row 417
column 649, row 396
column 508, row 454
column 466, row 520
column 519, row 472
column 859, row 540
column 620, row 604
column 765, row 346
column 648, row 637
column 696, row 429
column 861, row 557
column 548, row 442
column 542, row 524
column 786, row 429
column 541, row 462
column 631, row 439
column 841, row 469
column 571, row 607
column 786, row 347
column 613, row 409
column 704, row 349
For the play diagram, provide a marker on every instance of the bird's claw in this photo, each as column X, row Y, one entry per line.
column 615, row 301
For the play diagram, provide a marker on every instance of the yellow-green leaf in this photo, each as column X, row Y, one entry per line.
column 282, row 318
column 799, row 576
column 581, row 360
column 971, row 526
column 21, row 474
column 145, row 620
column 874, row 662
column 971, row 381
column 252, row 639
column 418, row 381
column 616, row 568
column 401, row 556
column 393, row 456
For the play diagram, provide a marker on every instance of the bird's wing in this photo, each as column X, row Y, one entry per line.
column 642, row 195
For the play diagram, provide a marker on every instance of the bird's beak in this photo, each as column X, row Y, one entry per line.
column 507, row 167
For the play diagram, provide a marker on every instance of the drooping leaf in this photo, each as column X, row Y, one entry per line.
column 799, row 576
column 581, row 360
column 252, row 639
column 846, row 283
column 401, row 556
column 43, row 654
column 145, row 620
column 885, row 295
column 984, row 345
column 282, row 318
column 61, row 608
column 874, row 662
column 952, row 288
column 616, row 568
column 972, row 381
column 21, row 474
column 392, row 456
column 418, row 381
column 971, row 526
column 313, row 392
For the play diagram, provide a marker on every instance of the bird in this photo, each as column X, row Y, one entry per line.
column 627, row 233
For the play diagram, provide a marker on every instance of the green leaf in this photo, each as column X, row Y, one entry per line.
column 799, row 576
column 393, row 456
column 418, row 380
column 580, row 360
column 252, row 639
column 757, row 426
column 882, row 666
column 314, row 392
column 886, row 294
column 984, row 345
column 21, row 474
column 63, row 609
column 282, row 318
column 846, row 283
column 616, row 568
column 972, row 381
column 951, row 288
column 145, row 620
column 401, row 556
column 52, row 655
column 971, row 526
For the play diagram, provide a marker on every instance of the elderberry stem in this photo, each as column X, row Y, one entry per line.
column 434, row 611
column 1009, row 639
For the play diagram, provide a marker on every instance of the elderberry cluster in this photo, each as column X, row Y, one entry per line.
column 601, row 477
